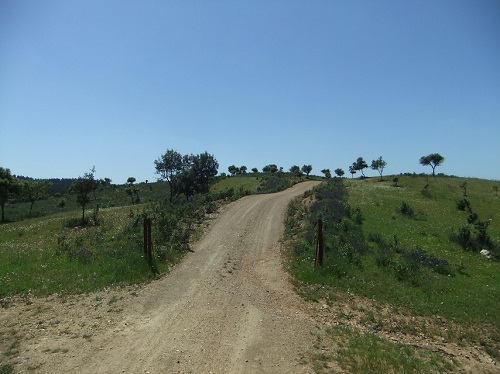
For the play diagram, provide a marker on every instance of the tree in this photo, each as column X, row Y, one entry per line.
column 205, row 167
column 327, row 173
column 306, row 169
column 95, row 182
column 132, row 190
column 352, row 169
column 295, row 170
column 82, row 187
column 185, row 183
column 188, row 174
column 433, row 159
column 255, row 170
column 360, row 164
column 9, row 188
column 339, row 172
column 243, row 169
column 168, row 166
column 233, row 170
column 379, row 165
column 33, row 190
column 271, row 168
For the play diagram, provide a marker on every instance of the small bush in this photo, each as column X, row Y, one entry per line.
column 462, row 237
column 420, row 257
column 273, row 184
column 384, row 257
column 426, row 192
column 83, row 255
column 463, row 204
column 406, row 210
column 375, row 238
column 6, row 369
column 75, row 222
column 407, row 270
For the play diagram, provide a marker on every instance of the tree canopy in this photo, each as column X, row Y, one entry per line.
column 306, row 169
column 379, row 164
column 271, row 168
column 352, row 170
column 295, row 170
column 9, row 188
column 433, row 159
column 188, row 174
column 33, row 190
column 360, row 164
column 82, row 187
column 339, row 172
column 168, row 166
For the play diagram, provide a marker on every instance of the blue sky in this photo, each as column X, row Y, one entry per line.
column 114, row 84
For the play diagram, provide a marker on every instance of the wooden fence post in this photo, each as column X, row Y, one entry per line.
column 318, row 260
column 148, row 252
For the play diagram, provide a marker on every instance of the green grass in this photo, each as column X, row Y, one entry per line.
column 468, row 293
column 114, row 196
column 43, row 256
column 364, row 352
column 465, row 291
column 237, row 183
column 471, row 295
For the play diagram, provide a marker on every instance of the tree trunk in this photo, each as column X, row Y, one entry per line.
column 83, row 215
column 171, row 191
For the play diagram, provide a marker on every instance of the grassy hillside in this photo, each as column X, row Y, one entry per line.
column 105, row 197
column 377, row 250
column 238, row 183
column 470, row 289
column 391, row 254
column 49, row 254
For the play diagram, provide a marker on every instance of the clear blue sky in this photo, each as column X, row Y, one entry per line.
column 116, row 83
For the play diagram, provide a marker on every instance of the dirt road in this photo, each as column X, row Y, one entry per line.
column 227, row 308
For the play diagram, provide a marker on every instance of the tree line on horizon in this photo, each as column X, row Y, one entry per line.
column 185, row 174
column 433, row 159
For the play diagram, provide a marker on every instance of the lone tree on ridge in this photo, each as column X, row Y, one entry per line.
column 434, row 159
column 306, row 169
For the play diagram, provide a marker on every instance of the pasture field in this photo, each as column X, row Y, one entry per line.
column 471, row 290
column 394, row 269
column 45, row 255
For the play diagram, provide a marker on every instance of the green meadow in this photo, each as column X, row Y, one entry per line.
column 400, row 244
